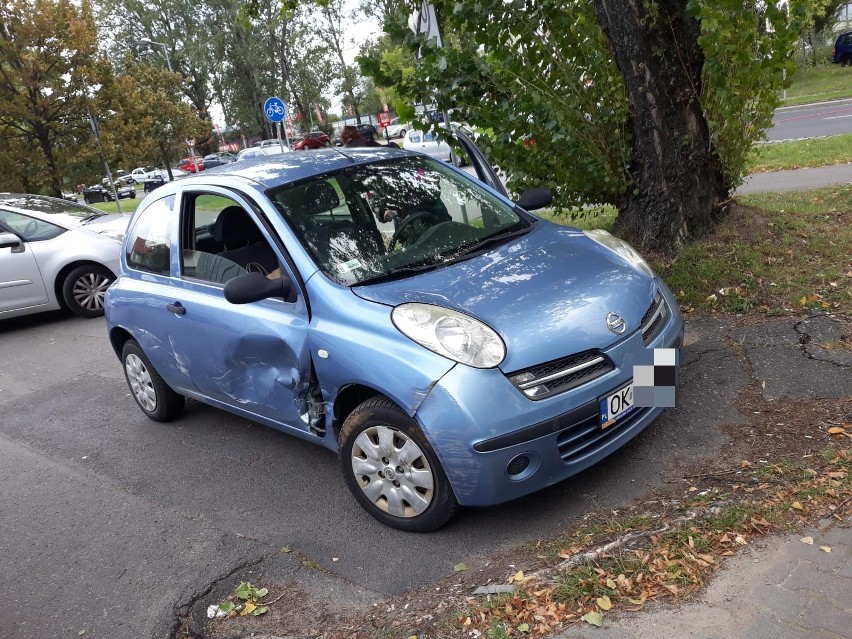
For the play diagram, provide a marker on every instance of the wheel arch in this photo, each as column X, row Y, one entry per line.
column 63, row 273
column 348, row 399
column 118, row 337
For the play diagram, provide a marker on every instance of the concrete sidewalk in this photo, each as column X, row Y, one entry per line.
column 780, row 587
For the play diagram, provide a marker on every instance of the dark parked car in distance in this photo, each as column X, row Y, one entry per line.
column 99, row 193
column 367, row 131
column 218, row 159
column 842, row 53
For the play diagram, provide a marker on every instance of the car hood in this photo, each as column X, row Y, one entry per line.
column 112, row 225
column 547, row 293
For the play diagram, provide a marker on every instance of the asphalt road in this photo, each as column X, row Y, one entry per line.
column 114, row 524
column 811, row 120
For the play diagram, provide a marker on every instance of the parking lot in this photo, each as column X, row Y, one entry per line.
column 111, row 520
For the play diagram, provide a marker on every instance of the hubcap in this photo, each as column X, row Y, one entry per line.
column 140, row 382
column 392, row 471
column 89, row 290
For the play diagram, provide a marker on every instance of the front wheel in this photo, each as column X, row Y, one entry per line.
column 84, row 288
column 156, row 399
column 391, row 469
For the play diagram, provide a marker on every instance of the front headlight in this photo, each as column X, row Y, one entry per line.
column 455, row 335
column 621, row 247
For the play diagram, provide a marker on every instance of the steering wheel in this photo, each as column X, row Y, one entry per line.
column 407, row 222
column 30, row 228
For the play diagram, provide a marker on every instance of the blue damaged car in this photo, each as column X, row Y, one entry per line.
column 454, row 349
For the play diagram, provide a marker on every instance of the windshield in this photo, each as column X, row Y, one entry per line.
column 61, row 211
column 385, row 220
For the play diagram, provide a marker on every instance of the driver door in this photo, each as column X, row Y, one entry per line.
column 21, row 284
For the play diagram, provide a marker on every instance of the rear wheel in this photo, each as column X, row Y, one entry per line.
column 846, row 60
column 156, row 399
column 84, row 288
column 392, row 470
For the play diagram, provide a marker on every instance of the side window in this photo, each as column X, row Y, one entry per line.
column 220, row 240
column 414, row 137
column 148, row 246
column 29, row 228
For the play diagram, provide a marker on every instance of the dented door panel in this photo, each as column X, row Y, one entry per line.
column 259, row 361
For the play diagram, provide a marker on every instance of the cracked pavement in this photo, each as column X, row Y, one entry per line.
column 115, row 525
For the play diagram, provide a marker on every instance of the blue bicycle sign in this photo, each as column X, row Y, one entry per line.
column 275, row 109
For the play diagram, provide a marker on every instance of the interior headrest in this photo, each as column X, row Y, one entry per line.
column 314, row 198
column 234, row 226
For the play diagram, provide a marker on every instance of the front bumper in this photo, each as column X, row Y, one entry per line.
column 496, row 445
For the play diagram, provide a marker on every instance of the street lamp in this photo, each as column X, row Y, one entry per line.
column 149, row 42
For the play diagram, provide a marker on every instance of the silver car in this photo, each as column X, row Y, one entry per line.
column 56, row 254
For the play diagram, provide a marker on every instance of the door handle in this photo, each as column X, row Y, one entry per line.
column 177, row 308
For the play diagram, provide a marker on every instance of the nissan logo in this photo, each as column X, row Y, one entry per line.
column 615, row 323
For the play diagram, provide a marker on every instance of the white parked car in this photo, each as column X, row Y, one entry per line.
column 56, row 254
column 259, row 152
column 140, row 174
column 397, row 129
column 428, row 144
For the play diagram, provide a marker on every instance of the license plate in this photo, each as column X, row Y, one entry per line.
column 617, row 405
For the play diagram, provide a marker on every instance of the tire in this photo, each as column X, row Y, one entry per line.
column 86, row 200
column 83, row 289
column 156, row 399
column 846, row 60
column 410, row 493
column 402, row 133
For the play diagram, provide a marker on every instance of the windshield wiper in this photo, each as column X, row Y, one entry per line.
column 403, row 271
column 480, row 246
column 92, row 217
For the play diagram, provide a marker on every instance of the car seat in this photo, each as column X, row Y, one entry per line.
column 244, row 243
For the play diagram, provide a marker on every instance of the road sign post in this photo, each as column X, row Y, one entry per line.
column 276, row 111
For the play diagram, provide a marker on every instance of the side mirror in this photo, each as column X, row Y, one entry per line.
column 10, row 240
column 535, row 198
column 253, row 287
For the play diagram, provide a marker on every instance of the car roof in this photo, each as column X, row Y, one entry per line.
column 275, row 170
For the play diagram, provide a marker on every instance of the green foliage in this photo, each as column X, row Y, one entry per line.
column 747, row 61
column 538, row 75
column 46, row 74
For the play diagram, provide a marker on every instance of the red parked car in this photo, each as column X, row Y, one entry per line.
column 313, row 140
column 191, row 165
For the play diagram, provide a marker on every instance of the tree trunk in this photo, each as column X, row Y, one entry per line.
column 677, row 189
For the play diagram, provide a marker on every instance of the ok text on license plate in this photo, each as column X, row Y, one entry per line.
column 617, row 405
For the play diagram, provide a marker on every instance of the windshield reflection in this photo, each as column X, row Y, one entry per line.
column 392, row 218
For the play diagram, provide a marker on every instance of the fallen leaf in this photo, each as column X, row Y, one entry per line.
column 604, row 603
column 460, row 567
column 517, row 577
column 825, row 548
column 260, row 610
column 611, row 584
column 797, row 505
column 672, row 588
column 524, row 627
column 807, row 540
column 836, row 430
column 637, row 602
column 248, row 608
column 593, row 618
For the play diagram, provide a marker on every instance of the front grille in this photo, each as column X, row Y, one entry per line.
column 560, row 375
column 654, row 318
column 586, row 437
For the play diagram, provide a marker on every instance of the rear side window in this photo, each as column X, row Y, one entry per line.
column 148, row 247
